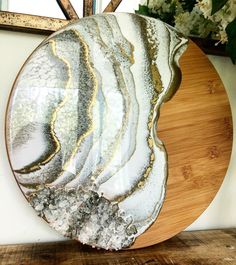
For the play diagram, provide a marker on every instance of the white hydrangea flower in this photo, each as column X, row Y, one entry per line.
column 205, row 6
column 224, row 16
column 183, row 23
column 156, row 4
column 199, row 22
column 193, row 23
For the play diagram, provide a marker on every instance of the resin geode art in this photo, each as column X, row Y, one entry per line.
column 82, row 126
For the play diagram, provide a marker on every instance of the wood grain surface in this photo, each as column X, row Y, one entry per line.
column 196, row 127
column 188, row 248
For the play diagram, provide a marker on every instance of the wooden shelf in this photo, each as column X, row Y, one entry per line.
column 214, row 247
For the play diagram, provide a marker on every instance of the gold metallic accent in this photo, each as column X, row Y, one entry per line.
column 88, row 8
column 36, row 166
column 89, row 112
column 31, row 186
column 130, row 57
column 30, row 23
column 122, row 87
column 54, row 115
column 112, row 6
column 67, row 9
column 92, row 102
column 158, row 87
column 46, row 25
column 28, row 169
column 173, row 86
column 117, row 138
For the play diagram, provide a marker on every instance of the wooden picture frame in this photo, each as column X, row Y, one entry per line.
column 47, row 25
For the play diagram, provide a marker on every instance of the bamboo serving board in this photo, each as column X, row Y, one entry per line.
column 196, row 127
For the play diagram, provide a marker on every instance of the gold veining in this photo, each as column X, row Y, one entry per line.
column 122, row 87
column 119, row 77
column 122, row 50
column 116, row 65
column 132, row 61
column 91, row 104
column 158, row 87
column 157, row 83
column 37, row 165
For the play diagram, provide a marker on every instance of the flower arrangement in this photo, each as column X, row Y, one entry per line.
column 214, row 19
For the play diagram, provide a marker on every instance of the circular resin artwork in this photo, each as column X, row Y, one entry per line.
column 82, row 126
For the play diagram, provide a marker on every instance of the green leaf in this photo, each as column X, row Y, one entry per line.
column 142, row 10
column 217, row 5
column 231, row 45
column 231, row 29
column 188, row 5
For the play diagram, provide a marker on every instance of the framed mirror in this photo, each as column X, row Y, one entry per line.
column 47, row 16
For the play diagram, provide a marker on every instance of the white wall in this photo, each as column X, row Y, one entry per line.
column 51, row 9
column 3, row 4
column 18, row 221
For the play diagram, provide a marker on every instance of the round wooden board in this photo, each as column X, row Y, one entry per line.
column 196, row 128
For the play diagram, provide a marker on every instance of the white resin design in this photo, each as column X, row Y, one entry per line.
column 81, row 126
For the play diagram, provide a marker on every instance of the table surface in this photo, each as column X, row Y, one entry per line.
column 213, row 247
